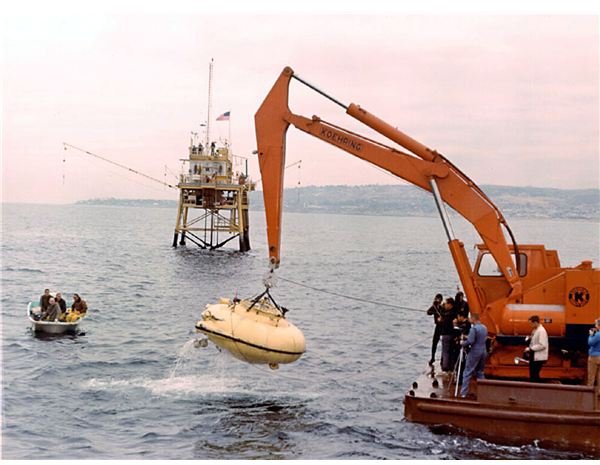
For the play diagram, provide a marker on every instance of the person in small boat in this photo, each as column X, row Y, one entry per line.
column 436, row 311
column 78, row 308
column 447, row 333
column 476, row 342
column 52, row 311
column 593, row 368
column 63, row 306
column 462, row 306
column 78, row 304
column 44, row 300
column 538, row 349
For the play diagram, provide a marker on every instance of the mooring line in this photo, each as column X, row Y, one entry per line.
column 345, row 296
column 362, row 369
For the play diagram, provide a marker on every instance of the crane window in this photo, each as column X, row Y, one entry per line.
column 489, row 267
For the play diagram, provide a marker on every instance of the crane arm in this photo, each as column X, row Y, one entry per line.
column 428, row 170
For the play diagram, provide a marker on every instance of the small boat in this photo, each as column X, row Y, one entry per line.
column 254, row 331
column 50, row 327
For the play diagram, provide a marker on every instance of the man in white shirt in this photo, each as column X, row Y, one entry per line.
column 538, row 349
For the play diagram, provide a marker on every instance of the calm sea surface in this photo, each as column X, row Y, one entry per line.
column 133, row 386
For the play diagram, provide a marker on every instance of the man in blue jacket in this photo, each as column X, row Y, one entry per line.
column 594, row 355
column 477, row 353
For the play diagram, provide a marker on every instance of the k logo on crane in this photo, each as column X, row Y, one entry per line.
column 579, row 296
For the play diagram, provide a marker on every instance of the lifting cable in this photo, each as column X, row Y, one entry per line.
column 337, row 294
column 359, row 299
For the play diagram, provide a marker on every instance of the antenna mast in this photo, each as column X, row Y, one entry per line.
column 210, row 71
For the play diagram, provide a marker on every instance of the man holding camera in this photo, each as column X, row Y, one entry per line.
column 593, row 368
column 436, row 311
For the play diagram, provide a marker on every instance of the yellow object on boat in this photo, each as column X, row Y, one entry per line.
column 254, row 332
column 73, row 316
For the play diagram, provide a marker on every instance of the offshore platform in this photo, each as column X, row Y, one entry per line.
column 213, row 199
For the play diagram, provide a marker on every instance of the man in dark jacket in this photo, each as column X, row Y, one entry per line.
column 461, row 305
column 62, row 304
column 436, row 311
column 447, row 332
column 462, row 327
column 44, row 300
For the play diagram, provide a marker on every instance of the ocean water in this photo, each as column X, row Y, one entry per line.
column 133, row 386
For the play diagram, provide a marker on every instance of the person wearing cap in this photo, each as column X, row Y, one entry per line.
column 538, row 349
column 593, row 368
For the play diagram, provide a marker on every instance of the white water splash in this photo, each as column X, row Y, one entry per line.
column 215, row 382
column 182, row 355
column 173, row 385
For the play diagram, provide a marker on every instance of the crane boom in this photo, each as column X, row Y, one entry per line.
column 566, row 299
column 428, row 170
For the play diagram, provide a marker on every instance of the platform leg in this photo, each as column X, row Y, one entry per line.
column 184, row 213
column 244, row 242
column 245, row 233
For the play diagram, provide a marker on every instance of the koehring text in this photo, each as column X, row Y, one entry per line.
column 340, row 139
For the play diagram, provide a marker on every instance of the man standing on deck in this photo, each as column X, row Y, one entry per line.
column 477, row 354
column 538, row 349
column 593, row 368
column 436, row 311
column 462, row 327
column 462, row 306
column 447, row 331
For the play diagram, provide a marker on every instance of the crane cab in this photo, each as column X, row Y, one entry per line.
column 535, row 265
column 567, row 300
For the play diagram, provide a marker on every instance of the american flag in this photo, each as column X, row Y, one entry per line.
column 224, row 116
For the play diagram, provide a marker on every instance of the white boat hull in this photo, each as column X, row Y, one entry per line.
column 50, row 327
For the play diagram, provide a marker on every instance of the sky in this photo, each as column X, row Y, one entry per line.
column 510, row 98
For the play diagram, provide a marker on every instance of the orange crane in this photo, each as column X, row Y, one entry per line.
column 508, row 283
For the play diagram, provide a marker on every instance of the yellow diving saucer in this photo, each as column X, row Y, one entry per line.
column 254, row 331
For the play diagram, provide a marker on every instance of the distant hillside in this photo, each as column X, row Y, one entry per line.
column 129, row 202
column 403, row 200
